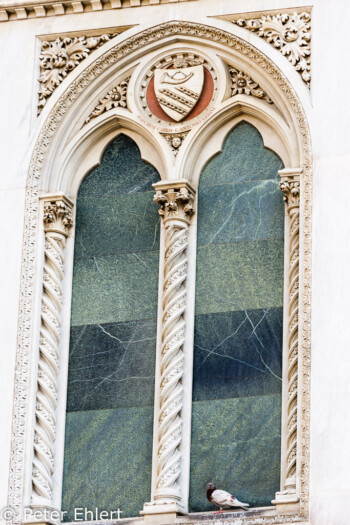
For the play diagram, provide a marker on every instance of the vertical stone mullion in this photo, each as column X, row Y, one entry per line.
column 176, row 201
column 57, row 223
column 288, row 497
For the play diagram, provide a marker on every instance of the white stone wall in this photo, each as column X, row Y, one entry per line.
column 329, row 119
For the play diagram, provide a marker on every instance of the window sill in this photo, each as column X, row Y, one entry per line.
column 255, row 516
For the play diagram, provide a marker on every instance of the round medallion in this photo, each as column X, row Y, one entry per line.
column 178, row 88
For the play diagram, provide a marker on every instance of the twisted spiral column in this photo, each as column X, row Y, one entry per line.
column 290, row 186
column 176, row 200
column 57, row 222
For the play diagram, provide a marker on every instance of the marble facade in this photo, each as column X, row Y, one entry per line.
column 52, row 154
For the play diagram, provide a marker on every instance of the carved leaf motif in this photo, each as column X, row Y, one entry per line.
column 243, row 84
column 61, row 56
column 114, row 98
column 290, row 33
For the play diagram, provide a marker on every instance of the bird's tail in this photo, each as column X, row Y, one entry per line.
column 242, row 505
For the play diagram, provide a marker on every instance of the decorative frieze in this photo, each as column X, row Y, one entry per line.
column 290, row 33
column 57, row 222
column 243, row 84
column 59, row 57
column 114, row 98
column 176, row 208
column 23, row 10
column 290, row 186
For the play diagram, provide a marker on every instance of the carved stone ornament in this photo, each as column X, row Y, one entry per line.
column 187, row 64
column 178, row 90
column 290, row 187
column 59, row 57
column 114, row 98
column 57, row 222
column 47, row 135
column 12, row 10
column 175, row 140
column 243, row 84
column 176, row 208
column 289, row 33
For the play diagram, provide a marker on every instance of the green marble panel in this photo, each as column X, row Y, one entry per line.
column 243, row 158
column 130, row 223
column 108, row 452
column 108, row 458
column 240, row 211
column 115, row 288
column 121, row 171
column 111, row 365
column 236, row 409
column 239, row 276
column 237, row 354
column 236, row 445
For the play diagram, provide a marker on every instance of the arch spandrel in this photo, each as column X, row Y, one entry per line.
column 59, row 162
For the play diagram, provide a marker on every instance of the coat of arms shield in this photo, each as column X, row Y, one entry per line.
column 178, row 90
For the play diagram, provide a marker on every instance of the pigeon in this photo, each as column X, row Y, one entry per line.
column 222, row 499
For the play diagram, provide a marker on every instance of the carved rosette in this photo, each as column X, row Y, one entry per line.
column 176, row 201
column 289, row 33
column 243, row 84
column 57, row 222
column 290, row 186
column 114, row 98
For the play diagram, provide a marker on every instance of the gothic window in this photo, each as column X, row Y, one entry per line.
column 237, row 376
column 109, row 421
column 237, row 380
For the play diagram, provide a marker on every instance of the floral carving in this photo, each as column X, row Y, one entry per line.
column 115, row 98
column 243, row 84
column 289, row 33
column 60, row 57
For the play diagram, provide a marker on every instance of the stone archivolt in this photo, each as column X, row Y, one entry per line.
column 289, row 33
column 114, row 98
column 59, row 57
column 243, row 84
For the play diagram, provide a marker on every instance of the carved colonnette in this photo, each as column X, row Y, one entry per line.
column 290, row 186
column 57, row 223
column 176, row 208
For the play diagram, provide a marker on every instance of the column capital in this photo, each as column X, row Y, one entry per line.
column 57, row 215
column 290, row 185
column 176, row 200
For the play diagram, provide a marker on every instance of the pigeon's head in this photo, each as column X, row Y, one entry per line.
column 211, row 486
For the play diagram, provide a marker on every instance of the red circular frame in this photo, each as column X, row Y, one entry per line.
column 203, row 102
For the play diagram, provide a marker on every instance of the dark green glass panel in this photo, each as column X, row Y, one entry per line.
column 238, row 324
column 108, row 447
